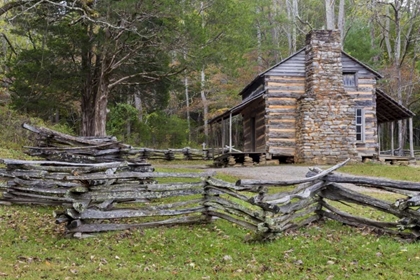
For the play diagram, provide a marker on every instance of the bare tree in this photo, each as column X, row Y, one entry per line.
column 331, row 17
column 341, row 20
column 330, row 14
column 400, row 24
column 292, row 15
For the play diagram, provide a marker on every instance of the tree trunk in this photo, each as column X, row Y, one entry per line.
column 372, row 25
column 138, row 105
column 292, row 13
column 205, row 105
column 295, row 14
column 329, row 14
column 96, row 88
column 89, row 87
column 386, row 34
column 88, row 110
column 57, row 116
column 341, row 21
column 275, row 29
column 10, row 5
column 397, row 67
column 101, row 107
column 94, row 100
column 259, row 42
column 187, row 100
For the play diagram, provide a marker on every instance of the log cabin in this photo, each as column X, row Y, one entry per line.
column 319, row 105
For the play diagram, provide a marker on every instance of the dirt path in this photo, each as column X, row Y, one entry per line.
column 283, row 172
column 275, row 173
column 278, row 172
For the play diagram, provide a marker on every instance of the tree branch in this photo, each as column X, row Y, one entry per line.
column 11, row 5
column 9, row 43
column 144, row 75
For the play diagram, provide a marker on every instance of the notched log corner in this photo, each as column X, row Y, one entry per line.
column 265, row 206
column 403, row 204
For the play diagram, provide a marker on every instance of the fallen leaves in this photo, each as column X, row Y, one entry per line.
column 25, row 259
column 227, row 258
column 330, row 252
column 299, row 262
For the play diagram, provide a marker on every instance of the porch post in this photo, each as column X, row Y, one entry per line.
column 392, row 138
column 230, row 132
column 223, row 135
column 379, row 140
column 410, row 125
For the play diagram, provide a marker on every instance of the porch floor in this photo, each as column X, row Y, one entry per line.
column 222, row 160
column 393, row 159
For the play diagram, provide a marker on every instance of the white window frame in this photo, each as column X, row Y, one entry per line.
column 360, row 122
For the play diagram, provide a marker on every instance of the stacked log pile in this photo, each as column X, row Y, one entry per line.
column 56, row 146
column 171, row 154
column 49, row 182
column 53, row 145
column 45, row 182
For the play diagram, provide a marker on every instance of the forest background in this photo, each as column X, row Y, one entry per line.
column 153, row 72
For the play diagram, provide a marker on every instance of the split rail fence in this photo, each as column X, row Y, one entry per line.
column 56, row 146
column 108, row 196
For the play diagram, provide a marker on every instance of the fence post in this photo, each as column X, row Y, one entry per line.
column 206, row 195
column 264, row 229
column 410, row 124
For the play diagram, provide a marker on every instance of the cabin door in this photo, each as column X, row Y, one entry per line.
column 253, row 145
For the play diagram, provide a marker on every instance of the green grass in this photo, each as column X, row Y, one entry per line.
column 34, row 247
column 395, row 172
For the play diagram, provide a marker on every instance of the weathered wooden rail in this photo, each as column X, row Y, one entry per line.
column 56, row 146
column 108, row 207
column 109, row 196
column 172, row 154
column 48, row 182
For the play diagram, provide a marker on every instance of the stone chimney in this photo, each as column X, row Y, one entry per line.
column 325, row 132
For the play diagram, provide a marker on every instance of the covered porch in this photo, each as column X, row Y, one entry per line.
column 389, row 112
column 227, row 130
column 227, row 134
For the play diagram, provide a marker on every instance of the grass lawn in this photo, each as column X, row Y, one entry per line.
column 34, row 247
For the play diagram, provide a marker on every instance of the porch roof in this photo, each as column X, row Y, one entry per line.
column 238, row 108
column 389, row 110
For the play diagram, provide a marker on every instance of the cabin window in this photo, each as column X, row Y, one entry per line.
column 360, row 125
column 350, row 80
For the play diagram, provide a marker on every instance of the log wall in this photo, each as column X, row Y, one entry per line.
column 364, row 97
column 320, row 129
column 282, row 95
column 254, row 134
